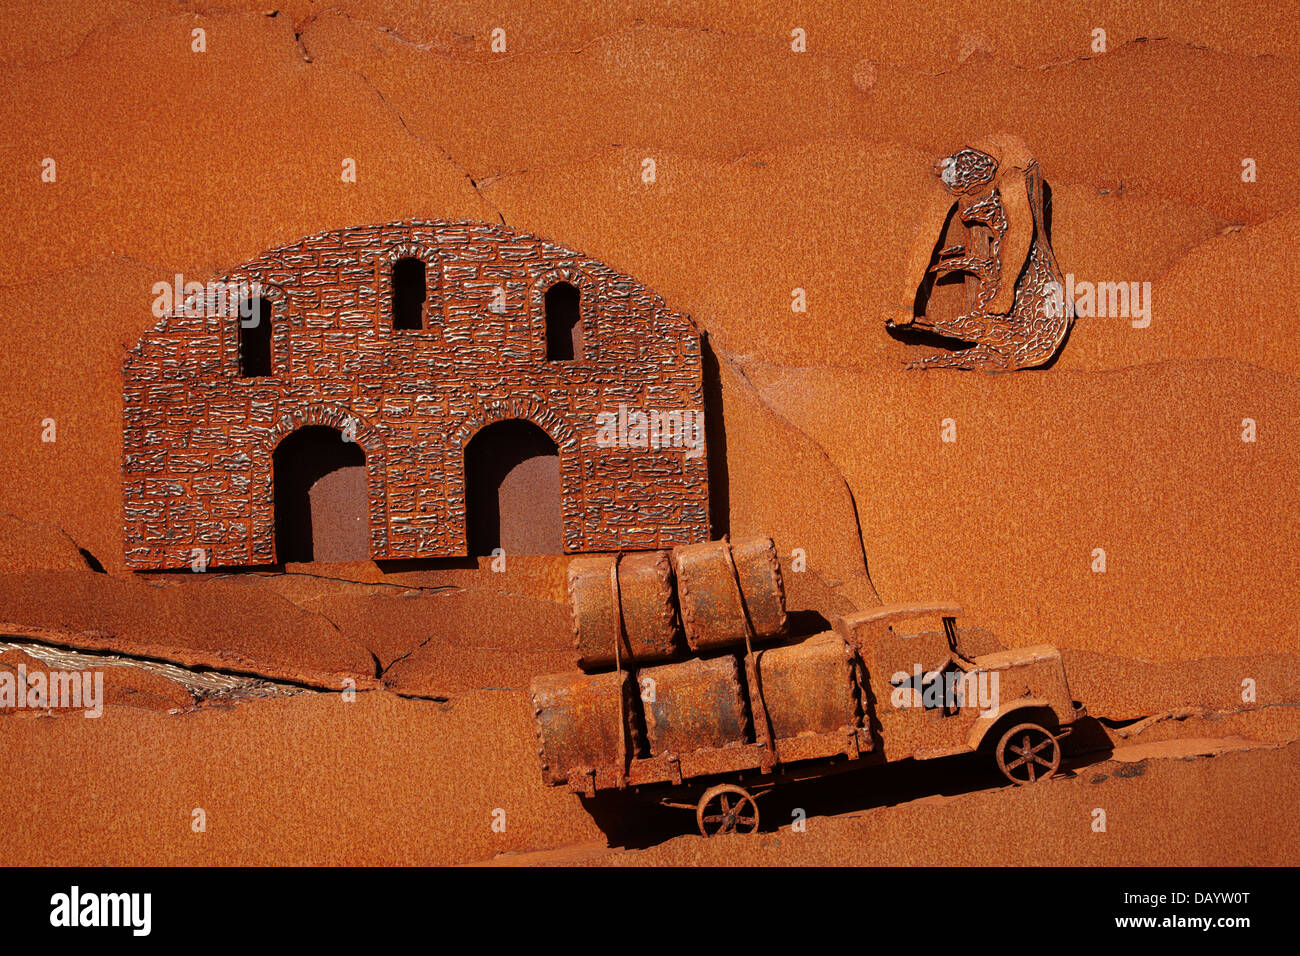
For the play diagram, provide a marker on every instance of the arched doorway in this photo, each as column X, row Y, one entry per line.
column 512, row 490
column 322, row 510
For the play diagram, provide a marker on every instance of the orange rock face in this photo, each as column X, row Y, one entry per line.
column 1133, row 502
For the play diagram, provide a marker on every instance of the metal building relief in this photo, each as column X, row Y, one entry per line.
column 408, row 346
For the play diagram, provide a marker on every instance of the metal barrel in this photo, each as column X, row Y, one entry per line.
column 579, row 720
column 719, row 583
column 810, row 687
column 642, row 584
column 693, row 705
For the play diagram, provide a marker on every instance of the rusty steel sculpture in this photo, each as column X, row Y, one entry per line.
column 406, row 342
column 1014, row 311
column 706, row 702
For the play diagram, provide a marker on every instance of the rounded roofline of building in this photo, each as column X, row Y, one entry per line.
column 394, row 234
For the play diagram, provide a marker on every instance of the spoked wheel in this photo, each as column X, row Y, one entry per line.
column 1028, row 753
column 726, row 808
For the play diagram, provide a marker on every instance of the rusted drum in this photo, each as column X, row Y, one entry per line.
column 650, row 622
column 694, row 705
column 579, row 720
column 810, row 688
column 713, row 615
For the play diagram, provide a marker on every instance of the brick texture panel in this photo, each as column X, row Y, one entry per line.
column 198, row 438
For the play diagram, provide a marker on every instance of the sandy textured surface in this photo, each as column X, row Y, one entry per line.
column 776, row 170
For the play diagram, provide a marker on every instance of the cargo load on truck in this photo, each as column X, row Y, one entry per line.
column 689, row 679
column 661, row 606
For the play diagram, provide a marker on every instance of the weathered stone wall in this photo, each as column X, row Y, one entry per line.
column 198, row 439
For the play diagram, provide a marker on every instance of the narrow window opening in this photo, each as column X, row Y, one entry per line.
column 563, row 323
column 410, row 289
column 255, row 337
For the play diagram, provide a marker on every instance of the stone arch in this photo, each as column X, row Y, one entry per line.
column 535, row 411
column 261, row 489
column 514, row 492
column 528, row 407
column 320, row 500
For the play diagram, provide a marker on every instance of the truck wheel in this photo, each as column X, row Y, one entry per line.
column 1028, row 753
column 726, row 808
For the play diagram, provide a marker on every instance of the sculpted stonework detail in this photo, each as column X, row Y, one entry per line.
column 402, row 344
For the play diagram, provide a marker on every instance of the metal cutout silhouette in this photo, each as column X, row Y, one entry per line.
column 1015, row 314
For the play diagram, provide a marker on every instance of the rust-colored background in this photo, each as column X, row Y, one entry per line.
column 775, row 170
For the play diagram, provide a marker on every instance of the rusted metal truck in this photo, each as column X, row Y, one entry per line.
column 719, row 729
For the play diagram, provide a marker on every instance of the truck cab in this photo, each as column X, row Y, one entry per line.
column 928, row 697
